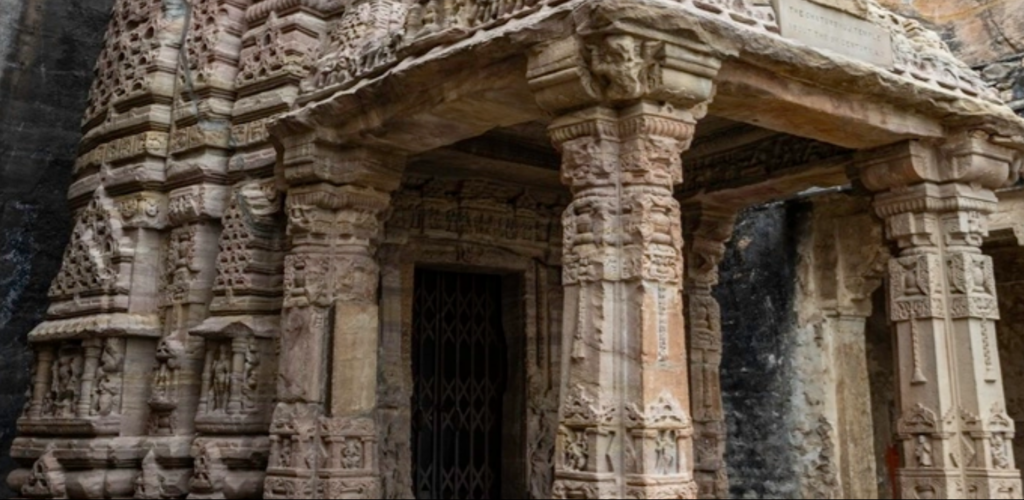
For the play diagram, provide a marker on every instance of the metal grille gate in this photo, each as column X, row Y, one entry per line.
column 459, row 365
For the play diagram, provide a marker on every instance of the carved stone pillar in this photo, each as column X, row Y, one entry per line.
column 712, row 229
column 323, row 435
column 953, row 425
column 627, row 112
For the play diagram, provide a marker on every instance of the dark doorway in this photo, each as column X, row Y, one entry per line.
column 460, row 358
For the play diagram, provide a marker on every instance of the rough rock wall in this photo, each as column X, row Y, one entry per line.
column 979, row 31
column 987, row 34
column 757, row 293
column 47, row 52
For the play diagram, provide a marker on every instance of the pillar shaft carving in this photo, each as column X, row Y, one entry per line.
column 323, row 434
column 625, row 429
column 953, row 425
column 712, row 229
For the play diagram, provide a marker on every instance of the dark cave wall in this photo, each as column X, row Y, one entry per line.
column 757, row 294
column 47, row 52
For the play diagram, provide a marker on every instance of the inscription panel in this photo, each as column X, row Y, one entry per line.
column 827, row 28
column 858, row 8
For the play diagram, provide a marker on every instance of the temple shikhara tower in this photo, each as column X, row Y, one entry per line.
column 471, row 248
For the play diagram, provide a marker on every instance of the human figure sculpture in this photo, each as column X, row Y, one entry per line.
column 924, row 452
column 221, row 380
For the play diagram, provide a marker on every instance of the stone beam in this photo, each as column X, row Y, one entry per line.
column 723, row 168
column 761, row 97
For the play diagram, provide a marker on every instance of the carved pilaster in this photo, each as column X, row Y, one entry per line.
column 711, row 229
column 323, row 435
column 953, row 423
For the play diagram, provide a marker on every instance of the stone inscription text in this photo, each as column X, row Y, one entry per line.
column 826, row 28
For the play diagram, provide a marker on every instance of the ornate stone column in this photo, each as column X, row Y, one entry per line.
column 711, row 229
column 323, row 435
column 626, row 114
column 953, row 425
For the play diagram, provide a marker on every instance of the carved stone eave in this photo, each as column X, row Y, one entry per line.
column 361, row 109
column 239, row 326
column 98, row 326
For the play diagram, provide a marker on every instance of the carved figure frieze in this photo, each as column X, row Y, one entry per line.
column 66, row 378
column 166, row 386
column 365, row 38
column 476, row 211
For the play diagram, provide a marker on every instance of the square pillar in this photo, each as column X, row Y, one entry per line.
column 625, row 428
column 953, row 426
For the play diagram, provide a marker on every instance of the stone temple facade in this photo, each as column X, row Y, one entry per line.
column 470, row 248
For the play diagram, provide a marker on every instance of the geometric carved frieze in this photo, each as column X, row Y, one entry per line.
column 95, row 260
column 134, row 76
column 277, row 51
column 916, row 287
column 151, row 143
column 194, row 203
column 475, row 212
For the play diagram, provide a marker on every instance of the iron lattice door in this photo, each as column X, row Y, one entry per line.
column 459, row 365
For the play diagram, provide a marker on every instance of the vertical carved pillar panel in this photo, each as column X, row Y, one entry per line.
column 711, row 229
column 625, row 429
column 278, row 50
column 953, row 423
column 324, row 433
column 237, row 387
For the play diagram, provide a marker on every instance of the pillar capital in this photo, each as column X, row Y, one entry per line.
column 641, row 145
column 973, row 157
column 621, row 65
column 310, row 158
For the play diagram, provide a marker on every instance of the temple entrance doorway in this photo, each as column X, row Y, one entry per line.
column 460, row 369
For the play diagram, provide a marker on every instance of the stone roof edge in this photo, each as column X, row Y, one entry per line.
column 731, row 40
